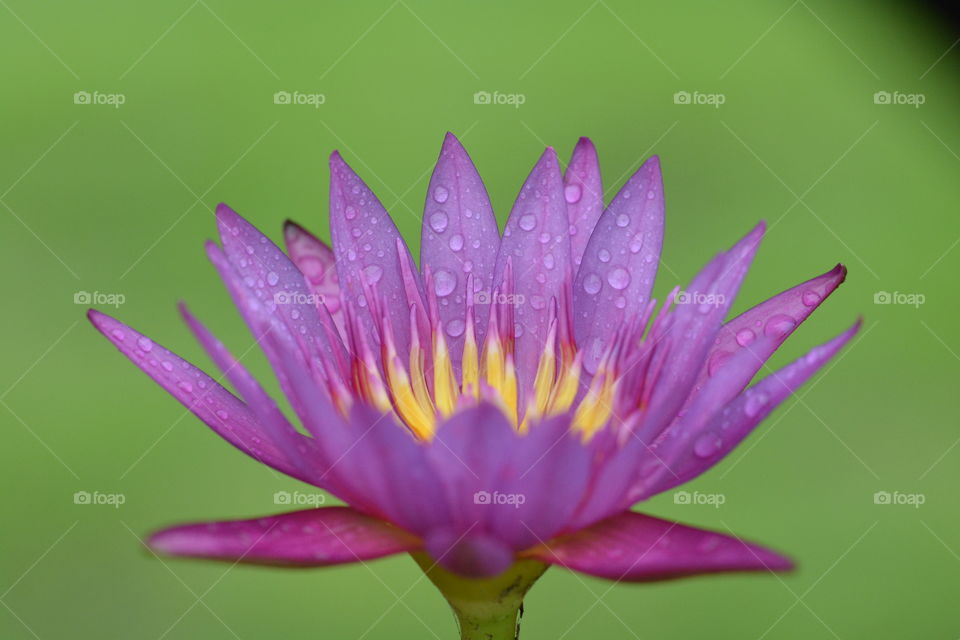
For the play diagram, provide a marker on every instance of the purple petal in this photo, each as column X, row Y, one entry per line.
column 199, row 393
column 311, row 538
column 583, row 191
column 688, row 455
column 619, row 265
column 633, row 547
column 537, row 241
column 318, row 265
column 459, row 237
column 775, row 318
column 369, row 249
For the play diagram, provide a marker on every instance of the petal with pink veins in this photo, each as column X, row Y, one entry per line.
column 583, row 191
column 632, row 547
column 311, row 538
column 536, row 240
column 459, row 237
column 620, row 262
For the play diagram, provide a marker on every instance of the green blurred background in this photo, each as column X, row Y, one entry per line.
column 118, row 199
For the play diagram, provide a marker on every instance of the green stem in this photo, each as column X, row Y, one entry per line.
column 487, row 609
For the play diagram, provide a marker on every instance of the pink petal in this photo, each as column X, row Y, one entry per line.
column 311, row 538
column 459, row 237
column 199, row 393
column 369, row 249
column 775, row 318
column 689, row 453
column 583, row 191
column 318, row 265
column 633, row 547
column 620, row 262
column 536, row 240
column 474, row 555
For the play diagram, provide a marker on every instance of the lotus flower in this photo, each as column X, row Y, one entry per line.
column 501, row 409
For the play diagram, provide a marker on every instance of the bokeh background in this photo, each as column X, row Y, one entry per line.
column 114, row 196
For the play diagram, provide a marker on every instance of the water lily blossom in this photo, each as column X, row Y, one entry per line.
column 499, row 409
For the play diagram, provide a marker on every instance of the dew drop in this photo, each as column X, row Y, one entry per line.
column 438, row 222
column 572, row 193
column 620, row 302
column 223, row 415
column 145, row 344
column 527, row 222
column 455, row 328
column 706, row 446
column 350, row 213
column 118, row 334
column 272, row 278
column 623, row 220
column 444, row 282
column 440, row 194
column 619, row 278
column 779, row 325
column 810, row 298
column 592, row 283
column 604, row 255
column 755, row 402
column 745, row 337
column 538, row 302
column 456, row 242
column 373, row 273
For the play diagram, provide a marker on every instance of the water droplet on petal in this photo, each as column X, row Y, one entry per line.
column 527, row 222
column 272, row 278
column 779, row 325
column 350, row 213
column 623, row 220
column 223, row 415
column 145, row 344
column 603, row 255
column 810, row 298
column 538, row 302
column 456, row 242
column 440, row 194
column 745, row 337
column 592, row 283
column 118, row 334
column 438, row 222
column 444, row 282
column 706, row 445
column 755, row 403
column 373, row 273
column 455, row 328
column 619, row 278
column 572, row 193
column 620, row 302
